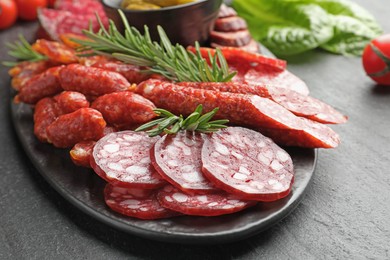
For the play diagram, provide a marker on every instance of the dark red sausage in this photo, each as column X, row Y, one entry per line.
column 45, row 113
column 246, row 163
column 24, row 71
column 300, row 105
column 55, row 51
column 135, row 203
column 42, row 85
column 124, row 110
column 70, row 101
column 122, row 158
column 257, row 69
column 81, row 153
column 244, row 60
column 177, row 160
column 132, row 73
column 213, row 204
column 84, row 124
column 246, row 110
column 91, row 81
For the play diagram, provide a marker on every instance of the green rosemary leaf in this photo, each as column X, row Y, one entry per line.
column 171, row 124
column 23, row 51
column 171, row 61
column 149, row 125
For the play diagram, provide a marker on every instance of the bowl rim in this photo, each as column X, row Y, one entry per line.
column 174, row 7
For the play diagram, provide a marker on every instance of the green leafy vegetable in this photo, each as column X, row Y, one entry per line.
column 173, row 62
column 22, row 51
column 289, row 27
column 171, row 124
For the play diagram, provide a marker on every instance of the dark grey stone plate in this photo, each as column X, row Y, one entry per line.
column 84, row 189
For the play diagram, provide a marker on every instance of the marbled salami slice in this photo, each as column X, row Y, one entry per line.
column 71, row 18
column 229, row 24
column 177, row 160
column 135, row 203
column 212, row 204
column 122, row 158
column 234, row 38
column 246, row 163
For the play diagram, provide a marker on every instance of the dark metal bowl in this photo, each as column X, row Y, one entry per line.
column 184, row 24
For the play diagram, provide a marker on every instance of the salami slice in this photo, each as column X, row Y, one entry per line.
column 50, row 21
column 72, row 18
column 212, row 204
column 246, row 163
column 229, row 24
column 226, row 11
column 177, row 160
column 135, row 203
column 122, row 158
column 235, row 38
column 240, row 109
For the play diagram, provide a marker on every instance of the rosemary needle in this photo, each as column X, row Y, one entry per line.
column 172, row 61
column 171, row 124
column 22, row 51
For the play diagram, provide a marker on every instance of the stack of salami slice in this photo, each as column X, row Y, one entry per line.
column 191, row 173
column 71, row 17
column 232, row 30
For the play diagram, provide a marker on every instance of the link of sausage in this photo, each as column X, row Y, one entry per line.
column 42, row 85
column 246, row 110
column 84, row 124
column 92, row 81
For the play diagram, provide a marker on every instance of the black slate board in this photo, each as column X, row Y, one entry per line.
column 84, row 189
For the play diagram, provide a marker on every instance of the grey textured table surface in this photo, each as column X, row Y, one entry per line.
column 344, row 215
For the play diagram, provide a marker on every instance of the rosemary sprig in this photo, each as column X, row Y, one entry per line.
column 171, row 61
column 23, row 51
column 171, row 124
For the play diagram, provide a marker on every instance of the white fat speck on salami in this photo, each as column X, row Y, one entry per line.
column 211, row 204
column 122, row 158
column 136, row 203
column 177, row 159
column 255, row 168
